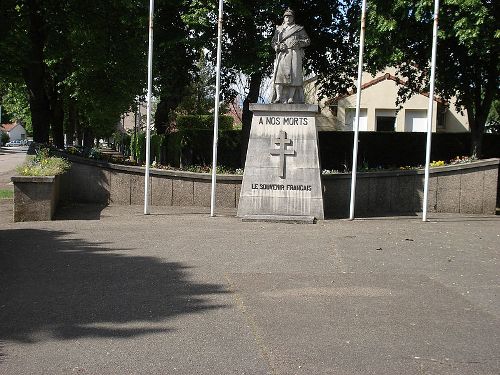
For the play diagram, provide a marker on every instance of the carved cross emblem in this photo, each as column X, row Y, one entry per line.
column 283, row 141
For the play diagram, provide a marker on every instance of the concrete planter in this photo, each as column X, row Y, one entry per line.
column 35, row 197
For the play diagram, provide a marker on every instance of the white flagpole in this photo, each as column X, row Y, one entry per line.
column 148, row 119
column 216, row 112
column 358, row 104
column 430, row 111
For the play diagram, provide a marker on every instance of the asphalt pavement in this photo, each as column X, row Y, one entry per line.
column 108, row 290
column 10, row 158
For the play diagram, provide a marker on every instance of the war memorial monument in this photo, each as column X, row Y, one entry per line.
column 282, row 178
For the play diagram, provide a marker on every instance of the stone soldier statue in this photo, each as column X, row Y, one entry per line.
column 289, row 41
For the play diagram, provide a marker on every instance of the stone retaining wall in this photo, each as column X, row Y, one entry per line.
column 466, row 188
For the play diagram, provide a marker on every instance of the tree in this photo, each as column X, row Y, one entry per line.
column 399, row 33
column 86, row 58
column 248, row 28
column 200, row 93
column 174, row 61
column 14, row 102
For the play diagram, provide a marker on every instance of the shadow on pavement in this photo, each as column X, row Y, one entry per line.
column 79, row 212
column 53, row 286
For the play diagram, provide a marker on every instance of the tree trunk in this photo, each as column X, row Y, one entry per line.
column 477, row 121
column 71, row 123
column 246, row 117
column 477, row 125
column 161, row 117
column 57, row 119
column 88, row 137
column 34, row 75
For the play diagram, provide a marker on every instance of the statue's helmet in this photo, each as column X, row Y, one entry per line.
column 289, row 12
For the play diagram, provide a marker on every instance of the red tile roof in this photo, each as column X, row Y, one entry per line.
column 379, row 79
column 8, row 127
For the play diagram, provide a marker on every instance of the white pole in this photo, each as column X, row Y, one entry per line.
column 430, row 111
column 148, row 116
column 358, row 104
column 216, row 112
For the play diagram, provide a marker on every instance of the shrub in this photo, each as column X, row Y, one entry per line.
column 4, row 138
column 41, row 164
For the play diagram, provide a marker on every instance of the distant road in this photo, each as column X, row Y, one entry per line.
column 10, row 158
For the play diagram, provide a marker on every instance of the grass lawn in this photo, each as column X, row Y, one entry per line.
column 6, row 193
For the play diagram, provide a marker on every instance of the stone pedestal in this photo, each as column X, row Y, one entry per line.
column 35, row 197
column 282, row 172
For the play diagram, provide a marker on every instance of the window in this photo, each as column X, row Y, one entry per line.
column 386, row 123
column 350, row 116
column 385, row 120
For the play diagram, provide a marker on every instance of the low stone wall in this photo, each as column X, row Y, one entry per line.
column 465, row 188
column 97, row 182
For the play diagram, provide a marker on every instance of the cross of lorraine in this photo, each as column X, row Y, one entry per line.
column 283, row 141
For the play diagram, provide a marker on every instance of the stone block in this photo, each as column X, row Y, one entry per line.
column 471, row 192
column 183, row 192
column 35, row 198
column 282, row 172
column 337, row 197
column 490, row 191
column 432, row 194
column 137, row 189
column 85, row 184
column 403, row 195
column 161, row 191
column 225, row 194
column 362, row 206
column 120, row 187
column 380, row 195
column 448, row 193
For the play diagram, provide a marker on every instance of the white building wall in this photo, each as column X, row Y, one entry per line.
column 380, row 98
column 17, row 133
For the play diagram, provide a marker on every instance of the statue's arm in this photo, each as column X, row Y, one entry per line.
column 303, row 40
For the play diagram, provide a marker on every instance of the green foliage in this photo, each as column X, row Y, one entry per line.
column 200, row 92
column 42, row 164
column 138, row 147
column 194, row 147
column 400, row 34
column 493, row 121
column 249, row 26
column 204, row 122
column 6, row 194
column 122, row 142
column 14, row 101
column 155, row 147
column 90, row 53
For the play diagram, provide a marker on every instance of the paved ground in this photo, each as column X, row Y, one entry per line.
column 10, row 158
column 107, row 290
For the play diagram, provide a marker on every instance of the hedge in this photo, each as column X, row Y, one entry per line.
column 190, row 146
column 195, row 147
column 203, row 122
column 395, row 149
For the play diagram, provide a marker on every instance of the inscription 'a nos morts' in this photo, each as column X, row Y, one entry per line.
column 271, row 120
